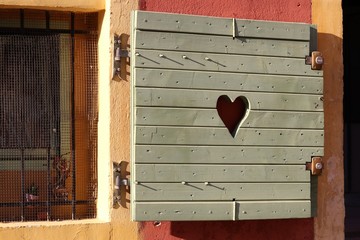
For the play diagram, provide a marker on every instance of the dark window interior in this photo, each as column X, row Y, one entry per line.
column 29, row 85
column 351, row 52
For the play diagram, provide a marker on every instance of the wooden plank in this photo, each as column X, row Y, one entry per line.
column 239, row 210
column 221, row 191
column 225, row 154
column 162, row 78
column 209, row 118
column 156, row 97
column 221, row 136
column 182, row 211
column 223, row 63
column 190, row 173
column 220, row 26
column 220, row 44
column 273, row 210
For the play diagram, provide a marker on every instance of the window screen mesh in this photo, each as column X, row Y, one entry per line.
column 48, row 115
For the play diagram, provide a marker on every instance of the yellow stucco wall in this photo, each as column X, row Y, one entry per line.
column 114, row 141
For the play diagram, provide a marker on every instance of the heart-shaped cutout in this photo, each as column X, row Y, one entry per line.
column 232, row 113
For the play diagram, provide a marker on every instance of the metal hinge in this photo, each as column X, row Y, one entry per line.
column 118, row 181
column 118, row 55
column 316, row 60
column 315, row 166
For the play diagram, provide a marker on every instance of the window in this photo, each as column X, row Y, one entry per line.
column 48, row 115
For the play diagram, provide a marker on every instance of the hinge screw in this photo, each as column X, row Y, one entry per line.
column 319, row 60
column 318, row 166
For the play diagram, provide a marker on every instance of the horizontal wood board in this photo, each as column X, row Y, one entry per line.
column 222, row 211
column 221, row 137
column 210, row 191
column 186, row 98
column 210, row 118
column 220, row 44
column 166, row 22
column 222, row 63
column 162, row 78
column 160, row 154
column 184, row 173
column 185, row 163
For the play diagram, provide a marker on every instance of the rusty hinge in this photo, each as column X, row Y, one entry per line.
column 315, row 166
column 316, row 60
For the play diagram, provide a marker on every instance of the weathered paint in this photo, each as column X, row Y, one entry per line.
column 293, row 11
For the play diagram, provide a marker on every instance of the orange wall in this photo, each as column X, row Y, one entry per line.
column 330, row 221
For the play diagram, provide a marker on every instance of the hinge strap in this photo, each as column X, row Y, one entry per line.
column 118, row 181
column 118, row 55
column 316, row 60
column 315, row 166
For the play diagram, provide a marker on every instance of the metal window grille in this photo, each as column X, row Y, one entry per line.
column 48, row 115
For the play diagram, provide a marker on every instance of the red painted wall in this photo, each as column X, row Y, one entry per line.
column 294, row 229
column 291, row 229
column 276, row 10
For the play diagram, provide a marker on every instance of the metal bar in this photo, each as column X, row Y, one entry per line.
column 22, row 185
column 22, row 18
column 31, row 31
column 38, row 31
column 73, row 116
column 44, row 203
column 48, row 204
column 47, row 20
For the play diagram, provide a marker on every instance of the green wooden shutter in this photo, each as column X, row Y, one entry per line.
column 185, row 164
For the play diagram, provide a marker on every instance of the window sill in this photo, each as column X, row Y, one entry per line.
column 51, row 223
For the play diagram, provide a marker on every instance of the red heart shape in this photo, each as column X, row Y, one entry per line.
column 232, row 113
